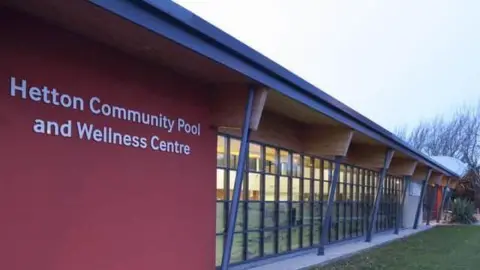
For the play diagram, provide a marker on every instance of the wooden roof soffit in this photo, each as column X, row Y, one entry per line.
column 435, row 178
column 402, row 167
column 324, row 140
column 228, row 106
column 367, row 156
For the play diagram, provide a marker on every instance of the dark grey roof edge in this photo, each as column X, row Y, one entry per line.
column 196, row 26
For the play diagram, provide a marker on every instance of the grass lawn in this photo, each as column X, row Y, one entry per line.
column 437, row 249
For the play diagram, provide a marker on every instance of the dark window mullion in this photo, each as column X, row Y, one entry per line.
column 262, row 202
column 246, row 201
column 289, row 196
column 300, row 240
column 277, row 198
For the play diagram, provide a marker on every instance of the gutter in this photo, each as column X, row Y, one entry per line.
column 183, row 27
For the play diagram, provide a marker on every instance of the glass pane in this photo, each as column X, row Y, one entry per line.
column 254, row 215
column 295, row 234
column 253, row 248
column 307, row 167
column 270, row 160
column 254, row 186
column 218, row 250
column 283, row 196
column 270, row 188
column 316, row 190
column 307, row 212
column 283, row 217
column 282, row 241
column 269, row 221
column 255, row 158
column 240, row 221
column 269, row 242
column 317, row 174
column 237, row 248
column 306, row 236
column 296, row 189
column 316, row 231
column 220, row 224
column 234, row 152
column 221, row 148
column 221, row 192
column 232, row 175
column 306, row 190
column 296, row 216
column 297, row 165
column 326, row 190
column 284, row 162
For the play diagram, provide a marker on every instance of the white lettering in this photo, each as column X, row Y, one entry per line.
column 53, row 128
column 169, row 146
column 94, row 100
column 14, row 87
column 35, row 94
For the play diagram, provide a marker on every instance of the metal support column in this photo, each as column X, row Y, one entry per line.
column 420, row 202
column 227, row 250
column 328, row 213
column 442, row 204
column 381, row 181
column 431, row 204
column 399, row 219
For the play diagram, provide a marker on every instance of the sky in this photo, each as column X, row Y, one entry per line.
column 395, row 62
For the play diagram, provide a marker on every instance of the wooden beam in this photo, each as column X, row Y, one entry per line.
column 452, row 183
column 365, row 155
column 327, row 140
column 274, row 130
column 420, row 173
column 435, row 178
column 228, row 106
column 444, row 181
column 258, row 104
column 402, row 167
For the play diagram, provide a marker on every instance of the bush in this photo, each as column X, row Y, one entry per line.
column 463, row 211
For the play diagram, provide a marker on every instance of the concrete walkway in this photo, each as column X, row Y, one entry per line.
column 334, row 252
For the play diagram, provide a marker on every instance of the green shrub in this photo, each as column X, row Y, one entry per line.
column 463, row 211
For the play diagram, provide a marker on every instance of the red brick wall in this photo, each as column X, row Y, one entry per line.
column 67, row 203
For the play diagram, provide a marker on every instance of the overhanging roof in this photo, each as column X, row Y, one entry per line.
column 183, row 27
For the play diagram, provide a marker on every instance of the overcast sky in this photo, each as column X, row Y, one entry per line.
column 396, row 62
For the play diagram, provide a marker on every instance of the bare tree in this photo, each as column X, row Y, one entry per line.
column 457, row 136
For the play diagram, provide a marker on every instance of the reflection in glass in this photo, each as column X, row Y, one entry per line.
column 221, row 191
column 284, row 199
column 284, row 162
column 255, row 158
column 295, row 238
column 296, row 189
column 283, row 196
column 270, row 215
column 270, row 160
column 253, row 247
column 254, row 186
column 270, row 188
column 218, row 249
column 254, row 216
column 297, row 165
column 306, row 190
column 234, row 152
column 269, row 242
column 220, row 220
column 307, row 167
column 237, row 248
column 282, row 241
column 221, row 149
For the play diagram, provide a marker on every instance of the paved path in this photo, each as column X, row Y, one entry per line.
column 332, row 253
